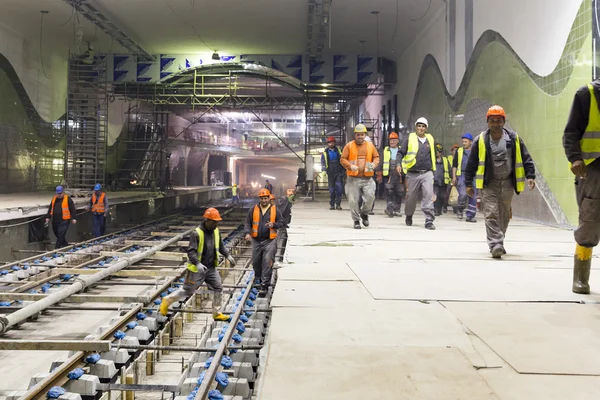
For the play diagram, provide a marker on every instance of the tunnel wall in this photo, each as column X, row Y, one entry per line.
column 513, row 63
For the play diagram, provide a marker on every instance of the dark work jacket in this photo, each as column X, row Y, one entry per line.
column 423, row 158
column 284, row 206
column 263, row 231
column 58, row 209
column 473, row 161
column 208, row 253
column 578, row 121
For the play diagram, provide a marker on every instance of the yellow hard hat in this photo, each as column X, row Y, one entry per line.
column 235, row 185
column 360, row 128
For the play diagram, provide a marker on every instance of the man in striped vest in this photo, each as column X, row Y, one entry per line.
column 62, row 211
column 581, row 142
column 205, row 244
column 330, row 163
column 98, row 206
column 499, row 164
column 391, row 177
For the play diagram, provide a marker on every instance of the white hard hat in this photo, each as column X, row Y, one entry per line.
column 422, row 120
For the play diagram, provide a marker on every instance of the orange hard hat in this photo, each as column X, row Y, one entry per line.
column 212, row 214
column 271, row 197
column 330, row 139
column 495, row 111
column 393, row 135
column 454, row 146
column 264, row 193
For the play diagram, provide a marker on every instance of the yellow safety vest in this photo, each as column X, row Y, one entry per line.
column 590, row 142
column 200, row 233
column 234, row 191
column 461, row 152
column 327, row 158
column 446, row 171
column 519, row 170
column 387, row 156
column 410, row 158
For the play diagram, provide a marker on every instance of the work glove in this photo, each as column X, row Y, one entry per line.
column 201, row 267
column 354, row 168
column 231, row 260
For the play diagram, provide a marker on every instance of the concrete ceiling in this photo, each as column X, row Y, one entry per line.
column 230, row 26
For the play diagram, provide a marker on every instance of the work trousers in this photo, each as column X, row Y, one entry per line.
column 440, row 198
column 360, row 188
column 419, row 184
column 282, row 238
column 60, row 229
column 336, row 186
column 98, row 224
column 463, row 199
column 496, row 200
column 394, row 191
column 587, row 191
column 193, row 280
column 235, row 200
column 263, row 254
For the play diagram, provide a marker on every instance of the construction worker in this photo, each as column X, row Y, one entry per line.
column 205, row 243
column 330, row 163
column 99, row 208
column 360, row 159
column 268, row 186
column 417, row 157
column 580, row 141
column 458, row 168
column 261, row 226
column 453, row 151
column 441, row 179
column 388, row 173
column 499, row 166
column 284, row 206
column 62, row 211
column 272, row 199
column 235, row 199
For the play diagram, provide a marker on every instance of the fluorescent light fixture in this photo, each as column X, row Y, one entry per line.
column 268, row 177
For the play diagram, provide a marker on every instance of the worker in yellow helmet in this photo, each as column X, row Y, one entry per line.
column 235, row 198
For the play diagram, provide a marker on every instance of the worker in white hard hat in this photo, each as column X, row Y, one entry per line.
column 360, row 158
column 418, row 159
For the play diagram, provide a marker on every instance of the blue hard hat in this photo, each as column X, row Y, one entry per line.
column 59, row 189
column 98, row 186
column 467, row 136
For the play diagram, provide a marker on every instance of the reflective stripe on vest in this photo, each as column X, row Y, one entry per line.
column 353, row 157
column 217, row 237
column 234, row 191
column 518, row 164
column 461, row 152
column 327, row 158
column 446, row 171
column 590, row 142
column 387, row 155
column 256, row 217
column 98, row 207
column 410, row 159
column 66, row 213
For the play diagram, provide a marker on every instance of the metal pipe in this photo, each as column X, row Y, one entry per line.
column 81, row 282
column 182, row 348
column 76, row 345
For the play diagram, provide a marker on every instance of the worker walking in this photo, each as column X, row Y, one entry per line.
column 235, row 198
column 417, row 156
column 203, row 259
column 99, row 208
column 261, row 226
column 581, row 144
column 458, row 180
column 62, row 212
column 330, row 163
column 499, row 165
column 284, row 206
column 360, row 159
column 391, row 177
column 453, row 151
column 441, row 179
column 268, row 186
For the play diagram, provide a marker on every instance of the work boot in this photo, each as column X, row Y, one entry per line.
column 331, row 207
column 470, row 219
column 459, row 215
column 164, row 305
column 338, row 207
column 408, row 220
column 365, row 219
column 221, row 317
column 445, row 210
column 581, row 276
column 263, row 291
column 371, row 212
column 437, row 213
column 430, row 226
column 389, row 213
column 498, row 251
column 397, row 214
column 356, row 225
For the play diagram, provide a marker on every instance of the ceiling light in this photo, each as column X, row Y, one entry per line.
column 216, row 57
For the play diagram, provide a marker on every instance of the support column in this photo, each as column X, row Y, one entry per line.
column 185, row 151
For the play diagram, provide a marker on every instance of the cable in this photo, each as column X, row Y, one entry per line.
column 423, row 16
column 72, row 13
column 188, row 24
column 41, row 53
column 22, row 223
column 396, row 25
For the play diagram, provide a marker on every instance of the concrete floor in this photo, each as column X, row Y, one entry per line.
column 397, row 312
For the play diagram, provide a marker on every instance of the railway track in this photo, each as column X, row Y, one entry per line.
column 99, row 301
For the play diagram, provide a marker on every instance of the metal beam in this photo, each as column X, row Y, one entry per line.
column 74, row 345
column 74, row 298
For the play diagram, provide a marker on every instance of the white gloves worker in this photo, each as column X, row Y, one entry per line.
column 231, row 260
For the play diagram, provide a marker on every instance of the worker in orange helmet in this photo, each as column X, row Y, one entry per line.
column 330, row 163
column 261, row 226
column 272, row 199
column 499, row 166
column 204, row 244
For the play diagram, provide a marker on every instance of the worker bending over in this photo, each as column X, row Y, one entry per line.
column 205, row 243
column 499, row 164
column 62, row 211
column 261, row 226
column 360, row 159
column 392, row 177
column 99, row 208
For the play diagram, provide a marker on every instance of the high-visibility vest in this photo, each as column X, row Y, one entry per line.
column 450, row 158
column 590, row 141
column 66, row 213
column 461, row 152
column 327, row 158
column 98, row 206
column 410, row 158
column 234, row 191
column 200, row 233
column 353, row 157
column 387, row 156
column 518, row 164
column 256, row 220
column 446, row 170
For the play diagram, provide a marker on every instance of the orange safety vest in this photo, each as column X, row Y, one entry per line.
column 65, row 207
column 256, row 220
column 98, row 207
column 353, row 157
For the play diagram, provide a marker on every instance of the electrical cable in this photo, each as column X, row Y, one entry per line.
column 72, row 14
column 188, row 24
column 396, row 25
column 41, row 53
column 22, row 223
column 423, row 16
